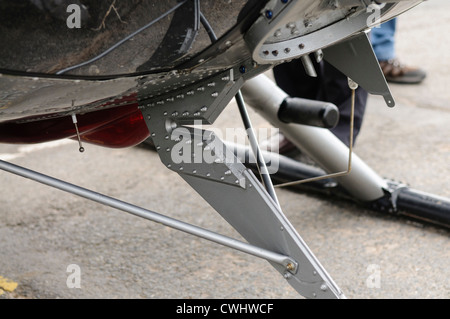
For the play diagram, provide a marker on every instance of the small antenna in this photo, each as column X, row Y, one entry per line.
column 75, row 122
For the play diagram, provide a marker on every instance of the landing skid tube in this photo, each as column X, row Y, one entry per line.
column 399, row 200
column 362, row 185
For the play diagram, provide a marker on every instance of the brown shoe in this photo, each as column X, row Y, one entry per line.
column 395, row 72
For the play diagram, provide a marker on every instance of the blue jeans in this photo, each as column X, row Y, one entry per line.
column 383, row 40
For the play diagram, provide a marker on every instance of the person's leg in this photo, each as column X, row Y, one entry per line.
column 383, row 43
column 383, row 40
column 292, row 79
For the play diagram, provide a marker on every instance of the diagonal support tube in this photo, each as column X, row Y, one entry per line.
column 268, row 255
column 265, row 176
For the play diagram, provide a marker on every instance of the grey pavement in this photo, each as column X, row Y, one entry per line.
column 43, row 231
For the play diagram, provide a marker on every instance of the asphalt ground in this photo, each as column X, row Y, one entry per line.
column 44, row 231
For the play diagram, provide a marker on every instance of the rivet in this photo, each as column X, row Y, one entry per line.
column 290, row 25
column 287, row 275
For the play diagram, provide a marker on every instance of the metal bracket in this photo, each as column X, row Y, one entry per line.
column 211, row 168
column 184, row 149
column 290, row 29
column 355, row 58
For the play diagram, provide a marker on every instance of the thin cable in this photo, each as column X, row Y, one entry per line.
column 208, row 28
column 115, row 46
